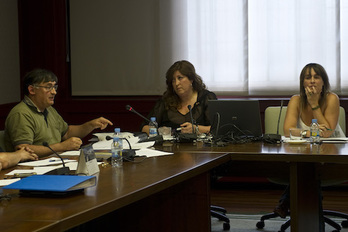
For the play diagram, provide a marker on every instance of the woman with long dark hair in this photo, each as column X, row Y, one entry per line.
column 184, row 88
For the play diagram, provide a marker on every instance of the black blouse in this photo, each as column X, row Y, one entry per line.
column 173, row 118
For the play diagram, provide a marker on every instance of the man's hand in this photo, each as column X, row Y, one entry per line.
column 101, row 123
column 73, row 143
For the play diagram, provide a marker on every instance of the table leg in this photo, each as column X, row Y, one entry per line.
column 305, row 198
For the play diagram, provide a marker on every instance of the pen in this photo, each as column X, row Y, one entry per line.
column 55, row 160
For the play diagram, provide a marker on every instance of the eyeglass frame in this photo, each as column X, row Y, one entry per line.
column 47, row 88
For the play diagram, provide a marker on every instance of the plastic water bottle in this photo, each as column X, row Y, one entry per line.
column 116, row 149
column 153, row 127
column 314, row 131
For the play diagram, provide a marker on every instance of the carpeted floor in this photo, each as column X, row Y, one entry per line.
column 247, row 223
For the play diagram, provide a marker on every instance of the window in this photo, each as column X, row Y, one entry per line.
column 259, row 47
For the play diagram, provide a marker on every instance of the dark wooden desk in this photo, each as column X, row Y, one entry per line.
column 305, row 166
column 169, row 193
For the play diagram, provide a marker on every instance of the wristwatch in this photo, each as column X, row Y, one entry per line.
column 197, row 130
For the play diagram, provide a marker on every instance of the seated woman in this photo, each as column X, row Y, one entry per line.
column 314, row 101
column 184, row 88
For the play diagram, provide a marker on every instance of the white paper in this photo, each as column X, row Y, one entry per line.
column 143, row 145
column 9, row 181
column 106, row 145
column 70, row 153
column 72, row 165
column 324, row 140
column 102, row 145
column 45, row 162
column 151, row 153
column 102, row 136
column 335, row 139
column 42, row 170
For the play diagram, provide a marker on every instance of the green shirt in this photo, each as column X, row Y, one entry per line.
column 25, row 124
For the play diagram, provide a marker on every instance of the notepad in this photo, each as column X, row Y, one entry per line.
column 334, row 140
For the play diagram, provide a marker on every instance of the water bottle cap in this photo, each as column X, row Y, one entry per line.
column 117, row 130
column 153, row 119
column 314, row 120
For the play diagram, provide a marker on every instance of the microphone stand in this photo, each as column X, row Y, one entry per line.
column 58, row 171
column 185, row 137
column 129, row 108
column 127, row 154
column 190, row 110
column 158, row 139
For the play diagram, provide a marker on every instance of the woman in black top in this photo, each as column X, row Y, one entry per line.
column 184, row 88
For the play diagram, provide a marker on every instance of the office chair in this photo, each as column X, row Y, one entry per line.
column 217, row 211
column 271, row 116
column 220, row 213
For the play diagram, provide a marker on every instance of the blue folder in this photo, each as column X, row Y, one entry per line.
column 53, row 183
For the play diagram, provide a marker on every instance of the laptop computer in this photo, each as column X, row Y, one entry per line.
column 240, row 117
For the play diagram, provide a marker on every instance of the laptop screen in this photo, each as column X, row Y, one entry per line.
column 241, row 117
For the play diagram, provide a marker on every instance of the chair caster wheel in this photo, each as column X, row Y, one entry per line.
column 344, row 224
column 260, row 224
column 226, row 226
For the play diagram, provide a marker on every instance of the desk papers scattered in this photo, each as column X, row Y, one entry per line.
column 323, row 140
column 40, row 170
column 102, row 136
column 106, row 145
column 151, row 153
column 334, row 140
column 45, row 162
column 8, row 181
column 70, row 153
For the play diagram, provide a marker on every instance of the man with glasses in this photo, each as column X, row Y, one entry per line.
column 34, row 121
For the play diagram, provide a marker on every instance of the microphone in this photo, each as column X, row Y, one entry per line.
column 275, row 138
column 129, row 108
column 280, row 113
column 190, row 110
column 185, row 137
column 59, row 171
column 158, row 139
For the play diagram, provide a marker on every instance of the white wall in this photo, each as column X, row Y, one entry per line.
column 9, row 52
column 113, row 43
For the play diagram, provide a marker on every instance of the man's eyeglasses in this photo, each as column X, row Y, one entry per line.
column 48, row 88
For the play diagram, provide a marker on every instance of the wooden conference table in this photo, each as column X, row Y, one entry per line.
column 168, row 193
column 304, row 166
column 171, row 193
